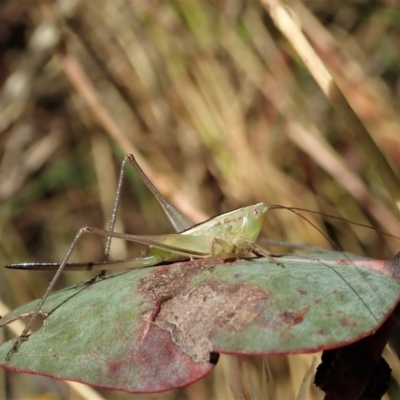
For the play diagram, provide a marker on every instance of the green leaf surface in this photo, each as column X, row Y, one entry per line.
column 153, row 330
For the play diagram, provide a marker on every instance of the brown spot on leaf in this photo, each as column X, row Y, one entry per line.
column 190, row 317
column 347, row 323
column 190, row 314
column 293, row 318
column 165, row 282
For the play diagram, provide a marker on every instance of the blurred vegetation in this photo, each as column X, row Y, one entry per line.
column 222, row 111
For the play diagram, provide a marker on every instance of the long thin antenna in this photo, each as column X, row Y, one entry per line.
column 295, row 211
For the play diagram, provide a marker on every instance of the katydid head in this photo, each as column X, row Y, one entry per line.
column 253, row 217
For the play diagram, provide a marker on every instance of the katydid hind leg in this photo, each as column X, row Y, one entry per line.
column 174, row 243
column 38, row 308
column 135, row 263
column 179, row 221
column 25, row 333
column 113, row 220
column 115, row 209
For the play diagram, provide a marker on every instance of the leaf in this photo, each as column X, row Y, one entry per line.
column 154, row 329
column 96, row 335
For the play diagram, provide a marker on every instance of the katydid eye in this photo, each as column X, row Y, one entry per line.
column 257, row 213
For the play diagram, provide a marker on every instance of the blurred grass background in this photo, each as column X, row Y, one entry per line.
column 223, row 109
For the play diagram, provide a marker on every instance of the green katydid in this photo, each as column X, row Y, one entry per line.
column 230, row 234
